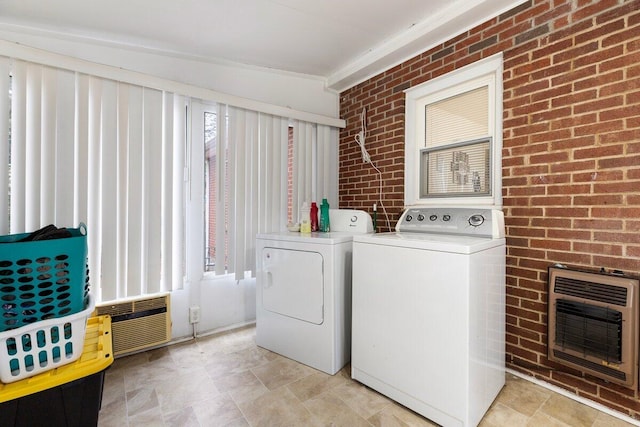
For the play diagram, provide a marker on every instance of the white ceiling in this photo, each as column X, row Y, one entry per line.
column 342, row 41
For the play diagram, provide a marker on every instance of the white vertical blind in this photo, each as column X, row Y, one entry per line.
column 5, row 84
column 251, row 172
column 222, row 181
column 176, row 189
column 18, row 151
column 327, row 158
column 303, row 165
column 106, row 153
column 315, row 165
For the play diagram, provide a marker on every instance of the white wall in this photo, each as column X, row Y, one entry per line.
column 296, row 91
column 223, row 302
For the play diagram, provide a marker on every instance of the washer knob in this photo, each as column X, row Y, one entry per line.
column 446, row 217
column 476, row 220
column 433, row 217
column 409, row 218
column 420, row 217
column 354, row 218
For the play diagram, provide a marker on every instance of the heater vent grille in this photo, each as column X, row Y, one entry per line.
column 138, row 324
column 609, row 294
column 593, row 324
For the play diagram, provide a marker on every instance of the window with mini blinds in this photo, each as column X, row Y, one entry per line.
column 452, row 137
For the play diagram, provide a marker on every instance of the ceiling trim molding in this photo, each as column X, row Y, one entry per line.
column 461, row 16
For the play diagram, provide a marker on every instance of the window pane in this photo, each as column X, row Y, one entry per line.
column 211, row 191
column 461, row 170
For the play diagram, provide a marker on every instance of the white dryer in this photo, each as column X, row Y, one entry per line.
column 303, row 291
column 429, row 312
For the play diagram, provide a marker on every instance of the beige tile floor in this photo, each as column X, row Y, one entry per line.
column 226, row 380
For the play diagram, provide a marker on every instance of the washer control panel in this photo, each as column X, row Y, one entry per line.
column 459, row 220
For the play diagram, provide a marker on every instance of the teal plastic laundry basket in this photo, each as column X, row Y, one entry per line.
column 42, row 279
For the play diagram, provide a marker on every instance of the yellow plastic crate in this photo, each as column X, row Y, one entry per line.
column 97, row 355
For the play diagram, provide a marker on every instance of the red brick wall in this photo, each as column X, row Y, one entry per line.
column 571, row 156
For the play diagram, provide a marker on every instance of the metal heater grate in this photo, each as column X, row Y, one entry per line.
column 593, row 323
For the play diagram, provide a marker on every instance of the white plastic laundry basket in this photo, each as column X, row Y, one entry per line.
column 43, row 345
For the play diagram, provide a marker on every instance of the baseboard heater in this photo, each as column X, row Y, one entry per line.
column 593, row 324
column 138, row 324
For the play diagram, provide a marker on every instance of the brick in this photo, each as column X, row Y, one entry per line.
column 600, row 127
column 483, row 44
column 551, row 222
column 574, row 98
column 569, row 234
column 533, row 346
column 569, row 258
column 532, row 34
column 576, row 53
column 624, row 86
column 516, row 10
column 619, row 162
column 627, row 8
column 593, row 9
column 630, row 265
column 599, row 176
column 553, row 15
column 598, row 224
column 599, row 32
column 571, row 189
column 601, row 249
column 575, row 166
column 598, row 152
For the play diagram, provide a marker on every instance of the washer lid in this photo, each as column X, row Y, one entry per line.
column 431, row 241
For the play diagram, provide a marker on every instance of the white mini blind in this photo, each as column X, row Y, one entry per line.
column 102, row 152
column 462, row 117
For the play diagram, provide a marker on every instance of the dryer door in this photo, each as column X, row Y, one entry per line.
column 294, row 284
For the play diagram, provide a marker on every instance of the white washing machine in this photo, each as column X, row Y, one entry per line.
column 303, row 291
column 429, row 311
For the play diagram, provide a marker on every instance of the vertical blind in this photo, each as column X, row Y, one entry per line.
column 113, row 155
column 102, row 152
column 251, row 179
column 315, row 160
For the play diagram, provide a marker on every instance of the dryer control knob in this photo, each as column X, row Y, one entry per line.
column 420, row 217
column 476, row 220
column 433, row 217
column 408, row 218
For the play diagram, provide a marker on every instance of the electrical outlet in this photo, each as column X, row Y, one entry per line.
column 194, row 314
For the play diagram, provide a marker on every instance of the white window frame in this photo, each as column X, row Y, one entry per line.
column 486, row 72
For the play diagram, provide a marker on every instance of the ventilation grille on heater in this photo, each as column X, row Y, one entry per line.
column 595, row 291
column 138, row 324
column 593, row 323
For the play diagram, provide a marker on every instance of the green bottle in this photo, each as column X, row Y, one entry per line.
column 324, row 216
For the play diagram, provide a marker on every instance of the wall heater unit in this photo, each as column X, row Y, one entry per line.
column 138, row 324
column 593, row 324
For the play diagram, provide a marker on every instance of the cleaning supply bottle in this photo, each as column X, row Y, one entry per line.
column 324, row 216
column 314, row 216
column 305, row 218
